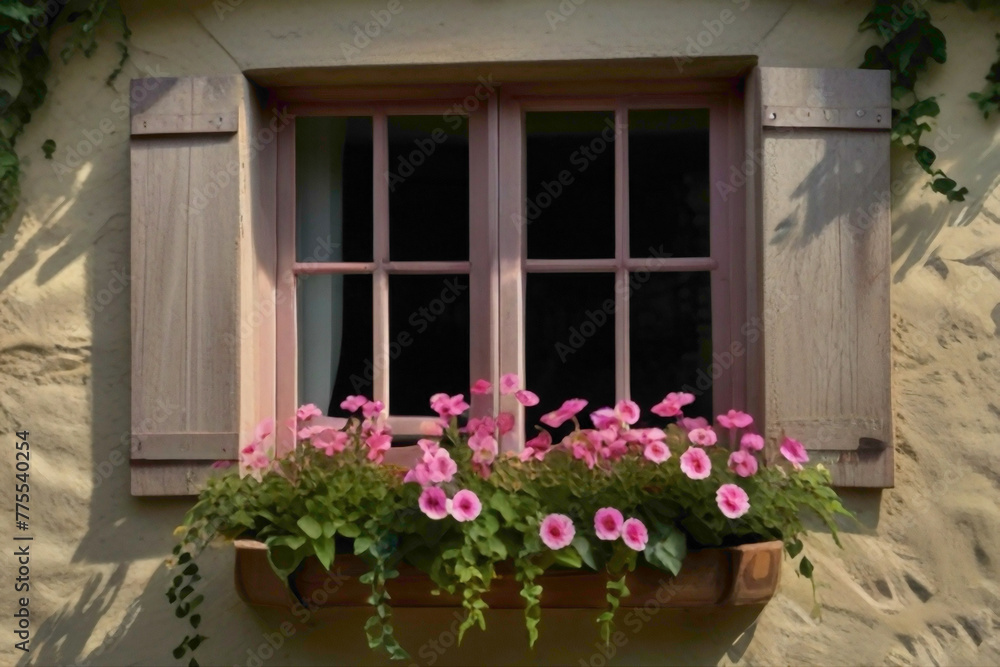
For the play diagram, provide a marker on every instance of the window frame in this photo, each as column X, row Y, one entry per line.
column 497, row 263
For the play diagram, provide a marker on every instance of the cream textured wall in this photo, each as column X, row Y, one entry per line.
column 916, row 585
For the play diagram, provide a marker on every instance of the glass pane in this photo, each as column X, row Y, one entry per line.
column 670, row 330
column 335, row 339
column 428, row 183
column 333, row 189
column 570, row 342
column 570, row 205
column 428, row 340
column 668, row 183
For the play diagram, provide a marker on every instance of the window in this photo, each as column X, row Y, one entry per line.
column 571, row 237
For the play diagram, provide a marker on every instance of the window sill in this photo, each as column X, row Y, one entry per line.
column 731, row 576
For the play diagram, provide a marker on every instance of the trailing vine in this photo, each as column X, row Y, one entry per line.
column 26, row 28
column 989, row 99
column 910, row 42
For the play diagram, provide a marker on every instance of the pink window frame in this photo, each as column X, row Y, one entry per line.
column 498, row 265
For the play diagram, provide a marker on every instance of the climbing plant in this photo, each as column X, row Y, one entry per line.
column 989, row 99
column 26, row 29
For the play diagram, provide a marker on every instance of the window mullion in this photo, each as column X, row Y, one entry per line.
column 622, row 388
column 380, row 277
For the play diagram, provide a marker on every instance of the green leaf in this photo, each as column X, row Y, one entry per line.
column 324, row 550
column 806, row 568
column 943, row 185
column 794, row 547
column 568, row 557
column 362, row 544
column 925, row 158
column 350, row 530
column 48, row 147
column 310, row 526
column 582, row 546
column 501, row 503
column 195, row 620
column 667, row 552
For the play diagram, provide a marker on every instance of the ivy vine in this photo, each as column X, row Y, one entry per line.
column 989, row 99
column 26, row 28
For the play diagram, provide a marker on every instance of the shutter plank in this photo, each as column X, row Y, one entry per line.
column 826, row 257
column 202, row 272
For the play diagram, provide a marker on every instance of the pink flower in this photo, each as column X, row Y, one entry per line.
column 537, row 447
column 752, row 442
column 505, row 423
column 608, row 523
column 695, row 463
column 656, row 451
column 254, row 458
column 567, row 410
column 307, row 412
column 419, row 474
column 604, row 418
column 378, row 443
column 222, row 465
column 465, row 506
column 481, row 387
column 734, row 419
column 483, row 441
column 330, row 440
column 794, row 452
column 627, row 411
column 372, row 408
column 431, row 427
column 440, row 466
column 428, row 447
column 732, row 500
column 634, row 534
column 526, row 398
column 671, row 405
column 743, row 463
column 433, row 503
column 353, row 403
column 691, row 423
column 557, row 531
column 264, row 429
column 705, row 437
column 509, row 383
column 480, row 424
column 448, row 406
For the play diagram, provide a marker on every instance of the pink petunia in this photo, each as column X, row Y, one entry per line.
column 419, row 474
column 627, row 411
column 431, row 427
column 608, row 523
column 505, row 423
column 307, row 412
column 557, row 531
column 440, row 466
column 353, row 403
column 656, row 451
column 264, row 429
column 481, row 387
column 734, row 419
column 433, row 503
column 695, row 463
column 448, row 406
column 691, row 423
column 705, row 437
column 794, row 452
column 372, row 408
column 603, row 418
column 255, row 461
column 526, row 398
column 465, row 506
column 732, row 500
column 672, row 404
column 222, row 465
column 378, row 443
column 751, row 442
column 537, row 447
column 480, row 424
column 483, row 441
column 634, row 534
column 743, row 463
column 428, row 447
column 330, row 440
column 566, row 411
column 509, row 383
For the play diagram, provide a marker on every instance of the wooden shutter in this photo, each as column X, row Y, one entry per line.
column 203, row 291
column 820, row 155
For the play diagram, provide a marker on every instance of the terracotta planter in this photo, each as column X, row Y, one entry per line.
column 740, row 575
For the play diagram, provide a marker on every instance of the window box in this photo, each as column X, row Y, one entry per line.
column 741, row 575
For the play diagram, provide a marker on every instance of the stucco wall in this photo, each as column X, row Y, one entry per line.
column 916, row 584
